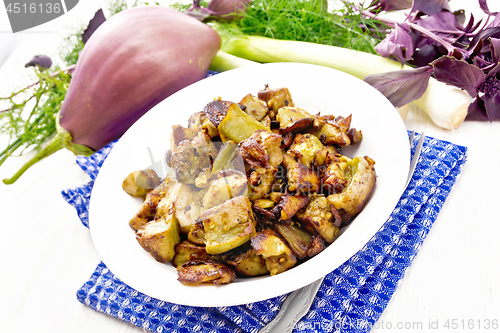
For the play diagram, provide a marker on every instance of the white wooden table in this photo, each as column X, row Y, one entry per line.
column 47, row 254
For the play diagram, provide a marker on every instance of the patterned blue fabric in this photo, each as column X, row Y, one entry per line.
column 351, row 298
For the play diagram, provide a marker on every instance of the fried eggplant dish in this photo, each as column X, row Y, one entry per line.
column 256, row 187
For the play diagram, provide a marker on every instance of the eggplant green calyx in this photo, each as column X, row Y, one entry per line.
column 62, row 139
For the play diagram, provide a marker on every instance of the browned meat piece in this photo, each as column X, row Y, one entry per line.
column 195, row 272
column 189, row 158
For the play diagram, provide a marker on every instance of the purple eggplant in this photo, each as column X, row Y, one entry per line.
column 132, row 62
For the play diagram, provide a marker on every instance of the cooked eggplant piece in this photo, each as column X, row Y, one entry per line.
column 237, row 125
column 254, row 107
column 263, row 149
column 186, row 251
column 302, row 243
column 226, row 155
column 260, row 182
column 228, row 225
column 252, row 265
column 216, row 110
column 361, row 180
column 191, row 157
column 264, row 203
column 267, row 122
column 180, row 134
column 262, row 152
column 147, row 211
column 300, row 177
column 354, row 135
column 229, row 184
column 305, row 148
column 278, row 255
column 195, row 272
column 187, row 205
column 334, row 177
column 159, row 237
column 166, row 204
column 204, row 178
column 197, row 233
column 329, row 131
column 318, row 218
column 139, row 183
column 293, row 119
column 289, row 205
column 275, row 99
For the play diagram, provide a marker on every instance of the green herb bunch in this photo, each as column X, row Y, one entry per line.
column 307, row 21
column 30, row 116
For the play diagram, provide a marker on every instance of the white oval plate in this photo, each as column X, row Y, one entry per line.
column 313, row 88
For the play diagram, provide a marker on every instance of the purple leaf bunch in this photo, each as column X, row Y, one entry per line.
column 225, row 9
column 439, row 43
column 41, row 60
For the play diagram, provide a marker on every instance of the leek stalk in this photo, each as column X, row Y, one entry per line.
column 445, row 105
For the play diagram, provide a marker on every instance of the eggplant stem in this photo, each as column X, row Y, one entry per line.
column 53, row 146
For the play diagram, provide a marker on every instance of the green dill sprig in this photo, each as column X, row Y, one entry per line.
column 30, row 116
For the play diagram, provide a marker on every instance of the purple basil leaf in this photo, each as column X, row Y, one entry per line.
column 390, row 5
column 482, row 36
column 442, row 24
column 403, row 86
column 430, row 7
column 492, row 104
column 484, row 7
column 198, row 13
column 427, row 54
column 495, row 48
column 496, row 21
column 94, row 23
column 397, row 44
column 460, row 74
column 40, row 60
column 229, row 9
column 476, row 110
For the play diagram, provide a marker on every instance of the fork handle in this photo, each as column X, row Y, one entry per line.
column 295, row 307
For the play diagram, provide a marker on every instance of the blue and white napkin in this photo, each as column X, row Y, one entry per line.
column 351, row 298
